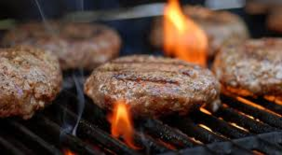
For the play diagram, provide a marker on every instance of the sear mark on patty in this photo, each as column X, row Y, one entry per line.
column 153, row 86
column 144, row 79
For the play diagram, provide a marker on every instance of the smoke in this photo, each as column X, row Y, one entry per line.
column 143, row 140
column 70, row 124
column 68, row 127
column 80, row 97
column 47, row 25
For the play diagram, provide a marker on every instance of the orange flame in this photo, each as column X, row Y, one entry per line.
column 121, row 124
column 68, row 152
column 183, row 38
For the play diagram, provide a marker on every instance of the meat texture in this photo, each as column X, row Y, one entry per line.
column 251, row 68
column 29, row 80
column 77, row 45
column 153, row 86
column 274, row 20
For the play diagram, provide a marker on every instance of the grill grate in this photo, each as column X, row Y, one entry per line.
column 236, row 128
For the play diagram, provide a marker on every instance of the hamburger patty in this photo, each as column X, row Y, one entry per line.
column 77, row 45
column 153, row 86
column 220, row 26
column 255, row 7
column 274, row 20
column 29, row 79
column 251, row 68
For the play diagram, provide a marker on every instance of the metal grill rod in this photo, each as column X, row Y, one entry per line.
column 10, row 147
column 167, row 133
column 219, row 126
column 267, row 104
column 67, row 139
column 250, row 143
column 92, row 132
column 229, row 114
column 188, row 127
column 33, row 137
column 264, row 116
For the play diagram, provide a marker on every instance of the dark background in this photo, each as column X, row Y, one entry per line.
column 134, row 32
column 27, row 9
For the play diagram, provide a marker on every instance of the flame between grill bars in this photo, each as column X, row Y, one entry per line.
column 236, row 128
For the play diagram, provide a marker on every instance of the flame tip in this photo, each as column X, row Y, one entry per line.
column 182, row 37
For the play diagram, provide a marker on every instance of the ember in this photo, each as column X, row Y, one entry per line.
column 68, row 152
column 183, row 38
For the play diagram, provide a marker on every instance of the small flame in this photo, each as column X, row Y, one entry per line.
column 121, row 123
column 255, row 105
column 68, row 152
column 276, row 99
column 183, row 38
column 205, row 111
column 205, row 127
column 237, row 126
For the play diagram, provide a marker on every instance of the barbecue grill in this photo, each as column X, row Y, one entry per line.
column 236, row 128
column 251, row 125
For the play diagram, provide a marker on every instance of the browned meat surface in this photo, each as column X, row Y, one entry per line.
column 274, row 20
column 255, row 7
column 29, row 79
column 77, row 45
column 258, row 7
column 220, row 27
column 251, row 68
column 153, row 86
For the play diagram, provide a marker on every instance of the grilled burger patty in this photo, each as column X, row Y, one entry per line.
column 29, row 79
column 251, row 68
column 220, row 27
column 153, row 86
column 77, row 45
column 274, row 20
